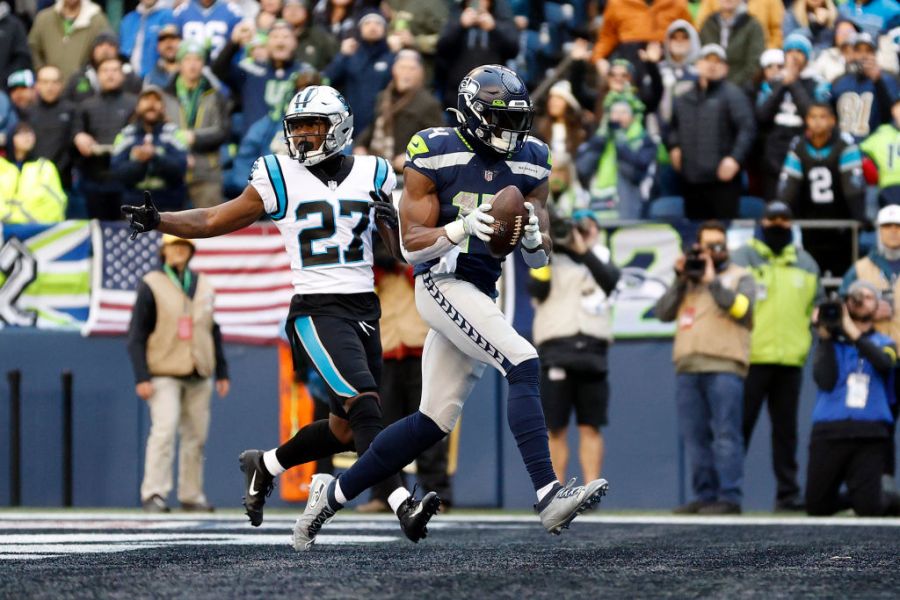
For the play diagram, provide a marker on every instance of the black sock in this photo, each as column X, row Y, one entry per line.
column 366, row 422
column 313, row 442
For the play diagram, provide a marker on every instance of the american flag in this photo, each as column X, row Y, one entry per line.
column 249, row 270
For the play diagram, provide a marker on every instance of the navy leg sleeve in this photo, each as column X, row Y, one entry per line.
column 526, row 421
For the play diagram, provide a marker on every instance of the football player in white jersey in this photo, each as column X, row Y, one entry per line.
column 323, row 203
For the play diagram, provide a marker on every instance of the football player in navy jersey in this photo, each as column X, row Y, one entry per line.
column 451, row 174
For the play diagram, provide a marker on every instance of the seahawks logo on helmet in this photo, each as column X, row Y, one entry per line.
column 493, row 106
column 325, row 105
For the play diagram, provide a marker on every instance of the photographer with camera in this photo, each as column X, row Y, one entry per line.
column 711, row 301
column 853, row 367
column 572, row 332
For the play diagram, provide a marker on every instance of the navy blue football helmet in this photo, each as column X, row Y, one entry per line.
column 493, row 105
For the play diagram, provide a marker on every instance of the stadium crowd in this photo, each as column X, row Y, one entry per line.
column 716, row 109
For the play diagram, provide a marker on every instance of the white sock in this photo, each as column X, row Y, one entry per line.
column 545, row 490
column 272, row 465
column 397, row 498
column 339, row 493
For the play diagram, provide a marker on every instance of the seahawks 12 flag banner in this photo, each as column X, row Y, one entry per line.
column 82, row 276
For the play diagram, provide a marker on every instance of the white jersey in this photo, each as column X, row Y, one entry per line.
column 327, row 227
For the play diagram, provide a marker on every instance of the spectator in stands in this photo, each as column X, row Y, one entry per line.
column 572, row 332
column 168, row 40
column 403, row 108
column 265, row 136
column 315, row 45
column 711, row 302
column 768, row 13
column 176, row 348
column 196, row 106
column 30, row 190
column 852, row 366
column 98, row 121
column 83, row 84
column 476, row 33
column 881, row 147
column 788, row 288
column 815, row 19
column 677, row 70
column 561, row 124
column 621, row 77
column 402, row 340
column 269, row 10
column 832, row 62
column 710, row 139
column 63, row 34
column 139, row 32
column 363, row 68
column 781, row 102
column 151, row 154
column 822, row 179
column 208, row 22
column 416, row 25
column 338, row 17
column 14, row 52
column 736, row 30
column 881, row 268
column 20, row 86
column 864, row 95
column 261, row 85
column 617, row 163
column 53, row 118
column 629, row 25
column 875, row 17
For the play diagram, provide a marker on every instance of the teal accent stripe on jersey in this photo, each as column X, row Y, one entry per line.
column 306, row 331
column 277, row 179
column 381, row 172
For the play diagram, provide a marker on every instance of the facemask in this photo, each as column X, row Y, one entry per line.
column 777, row 238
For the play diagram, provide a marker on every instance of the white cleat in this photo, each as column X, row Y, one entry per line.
column 317, row 512
column 567, row 502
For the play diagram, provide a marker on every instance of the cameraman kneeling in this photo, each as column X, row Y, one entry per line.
column 572, row 331
column 853, row 368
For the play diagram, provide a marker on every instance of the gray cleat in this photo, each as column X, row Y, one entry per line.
column 317, row 512
column 567, row 502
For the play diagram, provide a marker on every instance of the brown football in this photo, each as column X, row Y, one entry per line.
column 510, row 218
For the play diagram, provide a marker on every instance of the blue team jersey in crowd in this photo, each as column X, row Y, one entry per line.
column 465, row 179
column 209, row 26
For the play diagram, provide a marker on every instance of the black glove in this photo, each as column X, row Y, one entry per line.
column 384, row 209
column 142, row 218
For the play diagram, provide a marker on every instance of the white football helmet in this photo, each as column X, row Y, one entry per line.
column 317, row 102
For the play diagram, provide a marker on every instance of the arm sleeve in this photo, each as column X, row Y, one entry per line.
column 884, row 98
column 791, row 177
column 221, row 67
column 825, row 367
column 742, row 114
column 737, row 303
column 608, row 36
column 801, row 96
column 666, row 308
column 768, row 107
column 142, row 324
column 208, row 139
column 221, row 361
column 853, row 183
column 652, row 88
column 605, row 274
column 262, row 183
column 883, row 358
column 128, row 171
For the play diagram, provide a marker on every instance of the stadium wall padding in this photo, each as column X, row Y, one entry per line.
column 111, row 423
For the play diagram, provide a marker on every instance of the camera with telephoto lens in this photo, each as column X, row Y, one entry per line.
column 694, row 264
column 831, row 314
column 561, row 229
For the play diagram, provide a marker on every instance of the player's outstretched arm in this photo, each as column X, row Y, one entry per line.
column 198, row 222
column 419, row 211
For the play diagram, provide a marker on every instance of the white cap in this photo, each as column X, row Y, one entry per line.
column 772, row 56
column 713, row 49
column 889, row 215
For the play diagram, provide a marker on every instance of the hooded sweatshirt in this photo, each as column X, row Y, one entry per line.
column 677, row 77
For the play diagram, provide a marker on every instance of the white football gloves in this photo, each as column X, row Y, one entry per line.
column 532, row 238
column 477, row 223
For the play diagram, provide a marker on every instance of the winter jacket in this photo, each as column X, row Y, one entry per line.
column 787, row 289
column 137, row 34
column 863, row 105
column 14, row 52
column 882, row 147
column 629, row 21
column 769, row 13
column 421, row 112
column 360, row 77
column 51, row 44
column 744, row 45
column 315, row 46
column 84, row 84
column 261, row 87
column 163, row 174
column 210, row 130
column 875, row 17
column 31, row 193
column 102, row 116
column 459, row 50
column 423, row 18
column 53, row 125
column 708, row 125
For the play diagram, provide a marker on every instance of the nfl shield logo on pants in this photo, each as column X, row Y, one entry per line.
column 488, row 175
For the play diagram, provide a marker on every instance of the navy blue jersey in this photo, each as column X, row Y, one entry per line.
column 465, row 179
